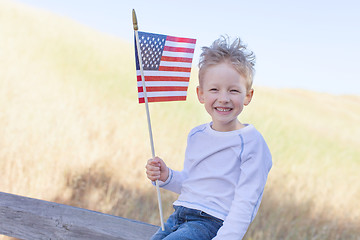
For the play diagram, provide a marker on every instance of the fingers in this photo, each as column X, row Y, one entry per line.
column 153, row 169
column 154, row 161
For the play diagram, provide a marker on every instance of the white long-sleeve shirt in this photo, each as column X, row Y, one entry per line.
column 224, row 175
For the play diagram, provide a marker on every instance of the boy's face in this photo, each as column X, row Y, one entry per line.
column 223, row 92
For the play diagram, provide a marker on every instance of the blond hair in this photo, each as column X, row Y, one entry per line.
column 234, row 53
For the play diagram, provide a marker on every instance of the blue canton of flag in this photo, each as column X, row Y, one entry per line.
column 151, row 46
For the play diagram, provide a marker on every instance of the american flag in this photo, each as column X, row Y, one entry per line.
column 167, row 64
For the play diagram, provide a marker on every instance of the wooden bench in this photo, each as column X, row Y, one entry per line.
column 28, row 218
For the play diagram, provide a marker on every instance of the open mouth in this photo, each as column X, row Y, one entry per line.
column 223, row 109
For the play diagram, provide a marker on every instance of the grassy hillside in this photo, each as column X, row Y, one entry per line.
column 71, row 131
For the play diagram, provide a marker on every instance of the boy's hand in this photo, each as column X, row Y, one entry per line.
column 156, row 169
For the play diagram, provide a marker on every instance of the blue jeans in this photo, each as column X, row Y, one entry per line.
column 187, row 223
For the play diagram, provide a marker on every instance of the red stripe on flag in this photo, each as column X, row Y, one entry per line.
column 163, row 99
column 164, row 78
column 174, row 69
column 178, row 49
column 163, row 89
column 178, row 39
column 176, row 59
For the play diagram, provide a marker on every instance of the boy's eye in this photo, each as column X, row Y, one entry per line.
column 234, row 91
column 213, row 89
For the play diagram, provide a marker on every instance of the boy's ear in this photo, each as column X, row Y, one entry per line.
column 200, row 94
column 248, row 97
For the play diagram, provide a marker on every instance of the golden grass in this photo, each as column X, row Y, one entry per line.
column 72, row 132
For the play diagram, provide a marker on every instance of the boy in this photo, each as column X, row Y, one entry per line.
column 226, row 162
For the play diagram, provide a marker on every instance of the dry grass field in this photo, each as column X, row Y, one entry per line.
column 71, row 131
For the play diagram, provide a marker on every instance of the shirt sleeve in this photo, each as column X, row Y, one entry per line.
column 174, row 181
column 249, row 190
column 176, row 178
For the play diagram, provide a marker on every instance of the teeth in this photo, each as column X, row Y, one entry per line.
column 223, row 109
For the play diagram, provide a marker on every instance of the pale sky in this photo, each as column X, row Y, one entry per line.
column 309, row 44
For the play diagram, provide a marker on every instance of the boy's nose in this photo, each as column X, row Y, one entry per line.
column 224, row 97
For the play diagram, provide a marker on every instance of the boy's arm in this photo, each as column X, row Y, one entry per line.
column 176, row 178
column 249, row 190
column 169, row 179
column 174, row 181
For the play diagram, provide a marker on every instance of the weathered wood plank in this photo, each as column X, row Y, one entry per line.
column 28, row 218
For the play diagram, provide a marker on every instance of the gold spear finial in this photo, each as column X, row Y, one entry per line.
column 135, row 20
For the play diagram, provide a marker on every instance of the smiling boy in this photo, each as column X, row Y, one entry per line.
column 224, row 94
column 226, row 162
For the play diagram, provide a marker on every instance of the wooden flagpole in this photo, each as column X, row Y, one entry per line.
column 136, row 28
